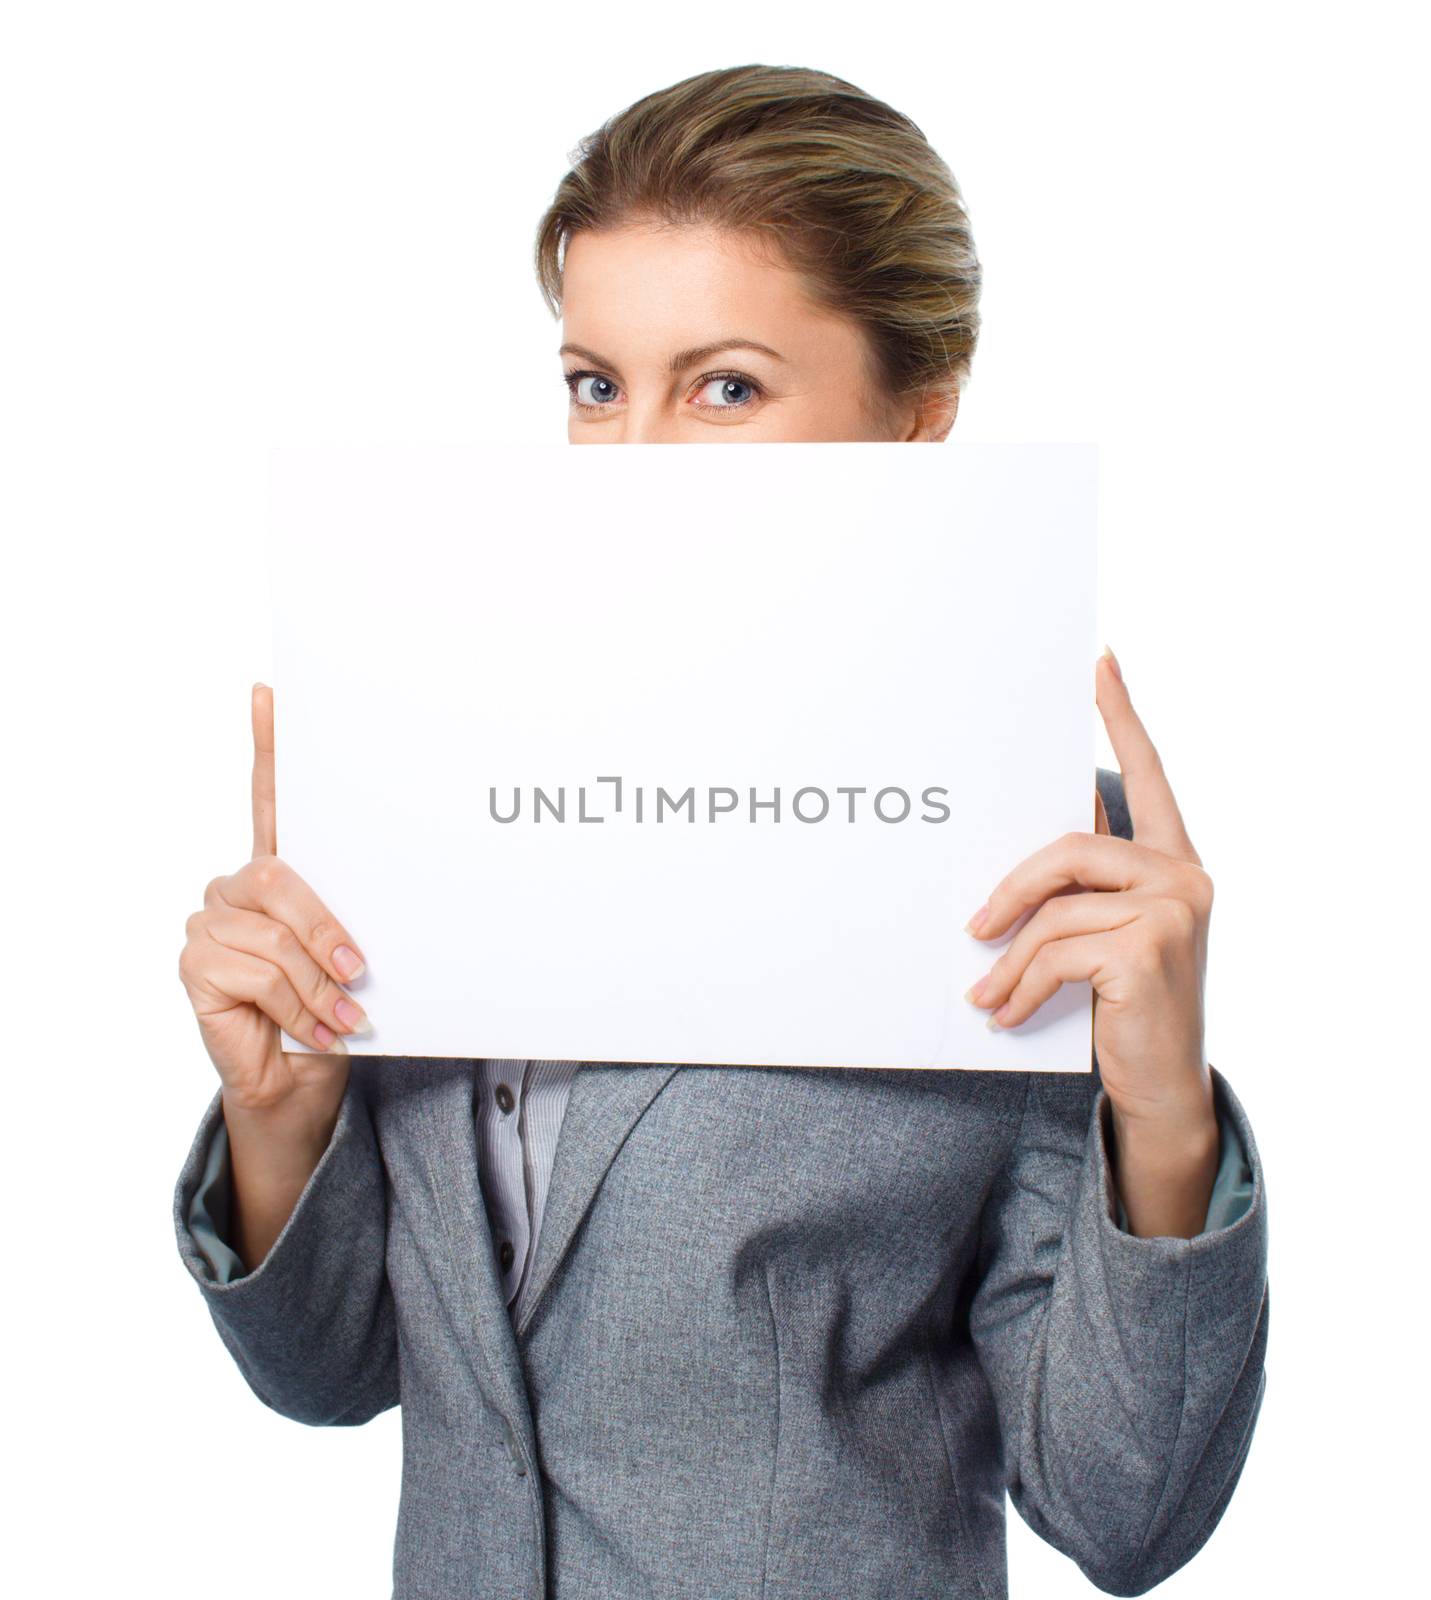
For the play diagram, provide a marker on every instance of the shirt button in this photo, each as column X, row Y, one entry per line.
column 506, row 1254
column 505, row 1098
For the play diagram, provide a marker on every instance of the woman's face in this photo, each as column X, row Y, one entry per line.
column 688, row 334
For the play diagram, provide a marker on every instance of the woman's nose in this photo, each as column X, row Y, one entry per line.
column 648, row 424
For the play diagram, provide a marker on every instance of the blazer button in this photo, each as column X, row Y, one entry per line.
column 506, row 1254
column 505, row 1098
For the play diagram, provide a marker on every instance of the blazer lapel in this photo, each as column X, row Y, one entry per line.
column 466, row 1278
column 607, row 1100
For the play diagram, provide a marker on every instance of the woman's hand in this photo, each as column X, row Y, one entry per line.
column 264, row 953
column 1131, row 917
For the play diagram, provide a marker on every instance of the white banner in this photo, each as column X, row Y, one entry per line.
column 693, row 753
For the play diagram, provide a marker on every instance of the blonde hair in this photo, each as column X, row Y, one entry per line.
column 841, row 187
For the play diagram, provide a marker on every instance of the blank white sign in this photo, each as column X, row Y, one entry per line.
column 769, row 722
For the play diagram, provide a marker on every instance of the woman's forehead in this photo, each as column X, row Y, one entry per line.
column 640, row 294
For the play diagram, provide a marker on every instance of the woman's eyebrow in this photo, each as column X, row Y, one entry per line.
column 682, row 358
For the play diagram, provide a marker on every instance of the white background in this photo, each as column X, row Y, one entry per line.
column 227, row 227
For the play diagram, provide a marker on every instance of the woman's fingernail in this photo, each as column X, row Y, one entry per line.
column 993, row 1021
column 977, row 920
column 351, row 1016
column 1113, row 662
column 327, row 1039
column 348, row 962
column 974, row 991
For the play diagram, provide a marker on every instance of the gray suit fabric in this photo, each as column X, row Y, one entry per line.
column 789, row 1333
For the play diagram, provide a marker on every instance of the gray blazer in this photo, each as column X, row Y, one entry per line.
column 791, row 1333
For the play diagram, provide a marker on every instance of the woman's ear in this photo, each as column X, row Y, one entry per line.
column 934, row 415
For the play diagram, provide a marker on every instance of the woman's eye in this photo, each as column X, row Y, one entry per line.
column 726, row 391
column 594, row 390
column 718, row 391
column 591, row 389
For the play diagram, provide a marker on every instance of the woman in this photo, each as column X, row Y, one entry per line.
column 739, row 1331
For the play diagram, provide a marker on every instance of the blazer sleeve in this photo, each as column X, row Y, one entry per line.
column 313, row 1327
column 1127, row 1372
